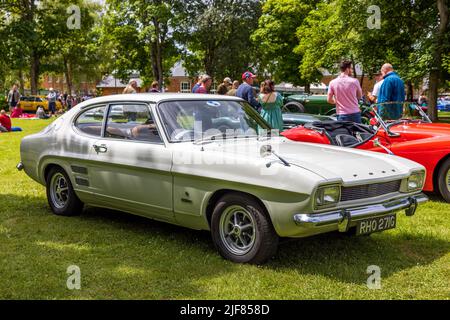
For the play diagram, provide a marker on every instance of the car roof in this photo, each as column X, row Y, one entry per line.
column 157, row 97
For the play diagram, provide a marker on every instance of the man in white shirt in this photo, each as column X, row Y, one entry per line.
column 376, row 88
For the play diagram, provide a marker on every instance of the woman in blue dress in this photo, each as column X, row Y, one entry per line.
column 271, row 102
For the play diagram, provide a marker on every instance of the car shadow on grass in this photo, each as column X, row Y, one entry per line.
column 121, row 256
column 346, row 258
column 334, row 255
column 127, row 256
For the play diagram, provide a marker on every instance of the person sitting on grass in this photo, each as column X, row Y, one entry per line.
column 5, row 122
column 40, row 113
column 16, row 112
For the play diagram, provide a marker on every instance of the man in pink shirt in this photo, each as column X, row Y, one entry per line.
column 345, row 92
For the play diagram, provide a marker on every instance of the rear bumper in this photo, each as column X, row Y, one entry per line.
column 343, row 219
column 20, row 166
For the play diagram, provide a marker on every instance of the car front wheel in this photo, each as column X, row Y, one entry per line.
column 60, row 194
column 241, row 230
column 444, row 180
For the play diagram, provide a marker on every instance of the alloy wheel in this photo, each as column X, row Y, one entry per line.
column 59, row 190
column 237, row 230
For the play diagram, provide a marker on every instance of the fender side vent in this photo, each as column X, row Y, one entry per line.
column 82, row 182
column 81, row 170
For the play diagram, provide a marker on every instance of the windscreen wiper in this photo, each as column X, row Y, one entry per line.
column 210, row 138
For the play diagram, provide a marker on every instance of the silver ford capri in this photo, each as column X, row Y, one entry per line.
column 212, row 163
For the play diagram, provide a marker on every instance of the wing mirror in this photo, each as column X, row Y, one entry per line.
column 265, row 151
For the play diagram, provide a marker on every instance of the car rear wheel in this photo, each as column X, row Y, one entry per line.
column 444, row 180
column 60, row 194
column 241, row 230
column 294, row 107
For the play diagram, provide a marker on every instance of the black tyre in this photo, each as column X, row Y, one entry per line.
column 444, row 180
column 242, row 231
column 60, row 194
column 294, row 107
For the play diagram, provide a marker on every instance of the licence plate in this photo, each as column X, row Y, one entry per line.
column 376, row 224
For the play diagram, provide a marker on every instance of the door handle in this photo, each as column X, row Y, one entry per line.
column 102, row 148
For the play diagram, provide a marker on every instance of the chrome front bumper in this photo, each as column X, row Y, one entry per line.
column 343, row 219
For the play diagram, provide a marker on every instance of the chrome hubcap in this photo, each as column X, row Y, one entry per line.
column 59, row 191
column 237, row 230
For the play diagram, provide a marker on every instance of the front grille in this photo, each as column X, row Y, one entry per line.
column 369, row 190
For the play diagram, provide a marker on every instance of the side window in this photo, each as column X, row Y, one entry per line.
column 91, row 121
column 131, row 122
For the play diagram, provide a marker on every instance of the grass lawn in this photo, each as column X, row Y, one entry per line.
column 126, row 257
column 444, row 117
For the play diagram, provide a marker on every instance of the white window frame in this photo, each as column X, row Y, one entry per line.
column 188, row 86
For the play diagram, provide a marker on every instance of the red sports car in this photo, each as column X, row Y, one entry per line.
column 418, row 140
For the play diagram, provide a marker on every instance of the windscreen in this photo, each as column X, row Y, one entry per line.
column 190, row 120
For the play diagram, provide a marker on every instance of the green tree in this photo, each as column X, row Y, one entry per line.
column 139, row 33
column 276, row 40
column 37, row 35
column 412, row 36
column 215, row 35
column 74, row 50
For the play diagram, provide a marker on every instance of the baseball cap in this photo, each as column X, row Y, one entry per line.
column 227, row 80
column 248, row 74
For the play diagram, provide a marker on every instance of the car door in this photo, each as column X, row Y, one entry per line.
column 130, row 164
column 26, row 103
column 39, row 102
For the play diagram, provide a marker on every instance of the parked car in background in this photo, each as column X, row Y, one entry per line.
column 443, row 104
column 292, row 120
column 415, row 139
column 306, row 103
column 32, row 103
column 173, row 157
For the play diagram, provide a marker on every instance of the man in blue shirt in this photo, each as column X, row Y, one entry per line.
column 392, row 90
column 245, row 90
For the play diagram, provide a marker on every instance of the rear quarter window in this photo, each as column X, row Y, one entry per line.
column 91, row 121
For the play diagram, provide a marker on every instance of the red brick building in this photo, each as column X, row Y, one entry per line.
column 179, row 81
column 58, row 83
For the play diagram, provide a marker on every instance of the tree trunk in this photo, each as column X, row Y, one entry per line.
column 433, row 95
column 410, row 91
column 21, row 84
column 35, row 58
column 158, row 54
column 34, row 72
column 154, row 61
column 435, row 74
column 308, row 88
column 68, row 75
